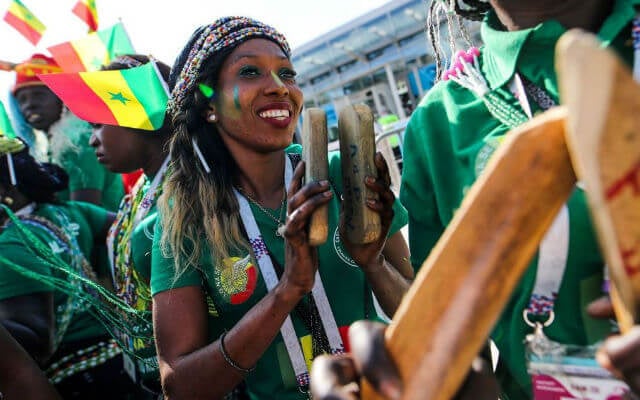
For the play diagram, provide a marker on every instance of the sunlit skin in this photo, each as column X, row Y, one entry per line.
column 246, row 85
column 124, row 150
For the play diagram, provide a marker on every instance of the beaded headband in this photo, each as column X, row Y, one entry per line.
column 221, row 34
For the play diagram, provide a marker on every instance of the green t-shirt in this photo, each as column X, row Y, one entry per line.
column 448, row 141
column 79, row 220
column 132, row 273
column 345, row 285
column 84, row 170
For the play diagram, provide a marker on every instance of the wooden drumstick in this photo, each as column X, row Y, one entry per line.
column 314, row 153
column 357, row 149
column 447, row 314
column 603, row 134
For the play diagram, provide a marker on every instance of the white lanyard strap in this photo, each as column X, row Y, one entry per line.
column 552, row 260
column 261, row 253
column 554, row 247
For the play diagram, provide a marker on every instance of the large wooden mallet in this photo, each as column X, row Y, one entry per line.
column 463, row 286
column 603, row 134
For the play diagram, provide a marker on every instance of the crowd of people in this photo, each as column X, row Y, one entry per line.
column 200, row 282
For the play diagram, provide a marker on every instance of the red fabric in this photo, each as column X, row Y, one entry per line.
column 130, row 179
column 27, row 72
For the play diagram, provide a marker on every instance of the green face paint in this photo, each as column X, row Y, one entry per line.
column 277, row 79
column 236, row 97
column 207, row 91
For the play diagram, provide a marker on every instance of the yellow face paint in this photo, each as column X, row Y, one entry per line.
column 277, row 79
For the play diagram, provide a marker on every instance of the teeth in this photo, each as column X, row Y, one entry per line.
column 33, row 117
column 275, row 114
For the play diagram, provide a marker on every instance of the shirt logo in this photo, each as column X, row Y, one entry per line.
column 236, row 279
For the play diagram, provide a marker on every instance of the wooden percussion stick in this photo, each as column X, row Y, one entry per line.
column 603, row 134
column 448, row 313
column 357, row 149
column 314, row 153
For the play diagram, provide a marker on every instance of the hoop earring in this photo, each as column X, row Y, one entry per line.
column 211, row 117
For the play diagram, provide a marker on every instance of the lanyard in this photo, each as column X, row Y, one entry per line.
column 553, row 251
column 261, row 253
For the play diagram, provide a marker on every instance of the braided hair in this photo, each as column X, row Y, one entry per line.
column 39, row 182
column 454, row 12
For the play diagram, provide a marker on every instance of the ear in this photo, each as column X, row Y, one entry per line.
column 210, row 114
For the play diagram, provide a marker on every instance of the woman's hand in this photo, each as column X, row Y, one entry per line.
column 337, row 377
column 370, row 254
column 301, row 259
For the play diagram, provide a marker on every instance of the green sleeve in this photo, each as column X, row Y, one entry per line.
column 417, row 192
column 163, row 272
column 141, row 245
column 85, row 172
column 96, row 216
column 12, row 282
column 400, row 217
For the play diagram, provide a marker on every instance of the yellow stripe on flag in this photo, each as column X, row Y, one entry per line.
column 24, row 14
column 92, row 51
column 123, row 103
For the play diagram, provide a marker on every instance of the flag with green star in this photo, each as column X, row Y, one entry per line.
column 23, row 20
column 92, row 51
column 133, row 98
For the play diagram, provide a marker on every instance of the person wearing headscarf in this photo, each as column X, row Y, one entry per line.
column 45, row 245
column 68, row 137
column 232, row 238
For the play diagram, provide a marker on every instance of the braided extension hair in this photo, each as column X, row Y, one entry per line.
column 454, row 11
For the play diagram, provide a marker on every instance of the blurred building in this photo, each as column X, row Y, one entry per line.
column 382, row 59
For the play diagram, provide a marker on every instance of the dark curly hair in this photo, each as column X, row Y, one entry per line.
column 37, row 181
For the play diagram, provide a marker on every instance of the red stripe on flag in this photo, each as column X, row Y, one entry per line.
column 79, row 98
column 67, row 57
column 25, row 29
column 84, row 13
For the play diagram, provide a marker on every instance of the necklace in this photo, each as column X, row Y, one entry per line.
column 280, row 220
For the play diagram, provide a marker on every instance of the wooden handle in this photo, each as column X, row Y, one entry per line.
column 603, row 135
column 357, row 149
column 314, row 153
column 446, row 317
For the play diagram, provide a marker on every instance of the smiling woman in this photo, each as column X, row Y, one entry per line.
column 224, row 247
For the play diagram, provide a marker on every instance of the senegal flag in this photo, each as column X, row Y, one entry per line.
column 6, row 129
column 92, row 51
column 86, row 10
column 133, row 98
column 23, row 20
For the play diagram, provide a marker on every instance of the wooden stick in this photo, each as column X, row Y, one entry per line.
column 603, row 135
column 314, row 153
column 463, row 286
column 357, row 148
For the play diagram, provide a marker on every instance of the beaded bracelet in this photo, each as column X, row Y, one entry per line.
column 228, row 359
